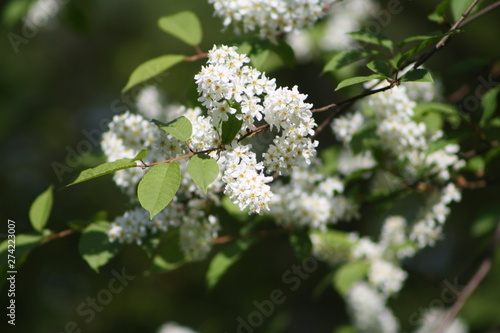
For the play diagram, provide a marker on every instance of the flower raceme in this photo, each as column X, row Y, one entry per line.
column 270, row 17
column 235, row 96
column 228, row 87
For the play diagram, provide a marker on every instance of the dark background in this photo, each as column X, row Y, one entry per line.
column 67, row 79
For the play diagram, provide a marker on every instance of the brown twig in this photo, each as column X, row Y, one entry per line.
column 196, row 57
column 57, row 235
column 342, row 106
column 481, row 12
column 480, row 274
column 178, row 157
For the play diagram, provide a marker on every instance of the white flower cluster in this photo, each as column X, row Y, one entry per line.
column 397, row 243
column 229, row 88
column 133, row 225
column 246, row 185
column 408, row 140
column 341, row 18
column 270, row 17
column 350, row 162
column 197, row 232
column 384, row 274
column 432, row 319
column 368, row 311
column 346, row 126
column 311, row 200
column 172, row 327
column 42, row 11
column 285, row 109
column 149, row 103
column 128, row 133
column 345, row 17
column 429, row 228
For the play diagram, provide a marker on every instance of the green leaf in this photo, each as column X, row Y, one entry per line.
column 204, row 170
column 344, row 58
column 225, row 259
column 358, row 79
column 181, row 128
column 345, row 329
column 438, row 14
column 40, row 209
column 476, row 164
column 152, row 68
column 230, row 129
column 452, row 115
column 169, row 255
column 301, row 244
column 380, row 67
column 458, row 7
column 158, row 187
column 331, row 245
column 423, row 44
column 348, row 274
column 489, row 105
column 486, row 220
column 372, row 38
column 24, row 244
column 417, row 75
column 103, row 169
column 94, row 245
column 258, row 58
column 233, row 210
column 330, row 158
column 433, row 122
column 141, row 154
column 244, row 48
column 184, row 26
column 432, row 35
column 13, row 11
column 284, row 51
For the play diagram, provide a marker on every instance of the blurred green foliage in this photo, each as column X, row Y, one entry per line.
column 57, row 90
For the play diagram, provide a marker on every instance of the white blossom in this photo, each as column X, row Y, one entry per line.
column 269, row 17
column 368, row 311
column 432, row 319
column 346, row 126
column 386, row 277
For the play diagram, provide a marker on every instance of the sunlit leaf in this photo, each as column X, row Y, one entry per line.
column 225, row 259
column 184, row 26
column 94, row 245
column 204, row 170
column 152, row 68
column 348, row 274
column 181, row 128
column 417, row 75
column 372, row 38
column 358, row 79
column 40, row 209
column 158, row 187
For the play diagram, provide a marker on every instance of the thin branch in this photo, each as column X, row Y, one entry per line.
column 443, row 40
column 480, row 274
column 481, row 12
column 196, row 57
column 179, row 157
column 58, row 235
column 346, row 104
